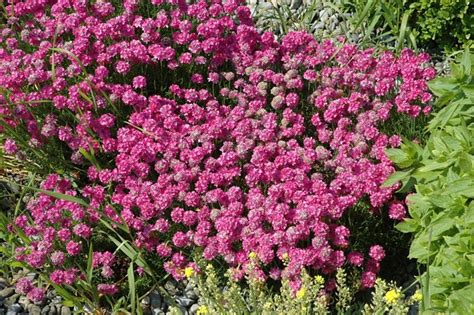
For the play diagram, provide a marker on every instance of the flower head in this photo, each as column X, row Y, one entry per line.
column 392, row 296
column 202, row 310
column 301, row 293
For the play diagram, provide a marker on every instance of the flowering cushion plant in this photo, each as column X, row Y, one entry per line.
column 202, row 132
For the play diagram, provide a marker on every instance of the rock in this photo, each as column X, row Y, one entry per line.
column 11, row 313
column 45, row 310
column 35, row 310
column 65, row 310
column 146, row 300
column 191, row 293
column 11, row 300
column 32, row 276
column 171, row 287
column 3, row 283
column 193, row 309
column 7, row 292
column 53, row 310
column 15, row 308
column 51, row 294
column 184, row 301
column 24, row 301
column 56, row 300
column 155, row 300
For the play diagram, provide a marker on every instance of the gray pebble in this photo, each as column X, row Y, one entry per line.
column 15, row 308
column 191, row 294
column 56, row 300
column 155, row 299
column 171, row 287
column 7, row 292
column 53, row 310
column 45, row 310
column 146, row 300
column 51, row 294
column 24, row 301
column 184, row 301
column 35, row 310
column 11, row 300
column 11, row 313
column 65, row 310
column 193, row 309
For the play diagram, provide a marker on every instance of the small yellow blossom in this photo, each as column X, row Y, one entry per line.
column 417, row 296
column 319, row 279
column 202, row 310
column 392, row 296
column 301, row 293
column 285, row 256
column 188, row 272
column 252, row 255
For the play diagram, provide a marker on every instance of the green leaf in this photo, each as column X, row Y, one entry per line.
column 399, row 157
column 57, row 195
column 462, row 186
column 465, row 163
column 433, row 166
column 397, row 177
column 132, row 290
column 466, row 61
column 408, row 226
column 443, row 86
column 90, row 267
column 365, row 12
column 403, row 28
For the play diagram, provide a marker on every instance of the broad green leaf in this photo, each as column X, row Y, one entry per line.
column 407, row 226
column 399, row 157
column 462, row 186
column 396, row 177
column 465, row 163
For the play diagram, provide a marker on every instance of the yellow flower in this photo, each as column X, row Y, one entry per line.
column 252, row 255
column 188, row 272
column 392, row 296
column 319, row 279
column 417, row 296
column 202, row 310
column 285, row 257
column 301, row 293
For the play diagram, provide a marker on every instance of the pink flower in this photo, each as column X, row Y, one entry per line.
column 36, row 295
column 107, row 289
column 139, row 82
column 397, row 211
column 368, row 279
column 24, row 285
column 10, row 146
column 355, row 258
column 73, row 248
column 377, row 252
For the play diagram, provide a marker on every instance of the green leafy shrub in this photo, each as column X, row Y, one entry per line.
column 442, row 209
column 447, row 24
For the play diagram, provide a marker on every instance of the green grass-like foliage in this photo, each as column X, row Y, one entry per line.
column 442, row 208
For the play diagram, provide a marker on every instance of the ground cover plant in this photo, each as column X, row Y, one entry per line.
column 441, row 211
column 165, row 130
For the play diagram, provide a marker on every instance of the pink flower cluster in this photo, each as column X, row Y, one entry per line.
column 239, row 145
column 58, row 233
